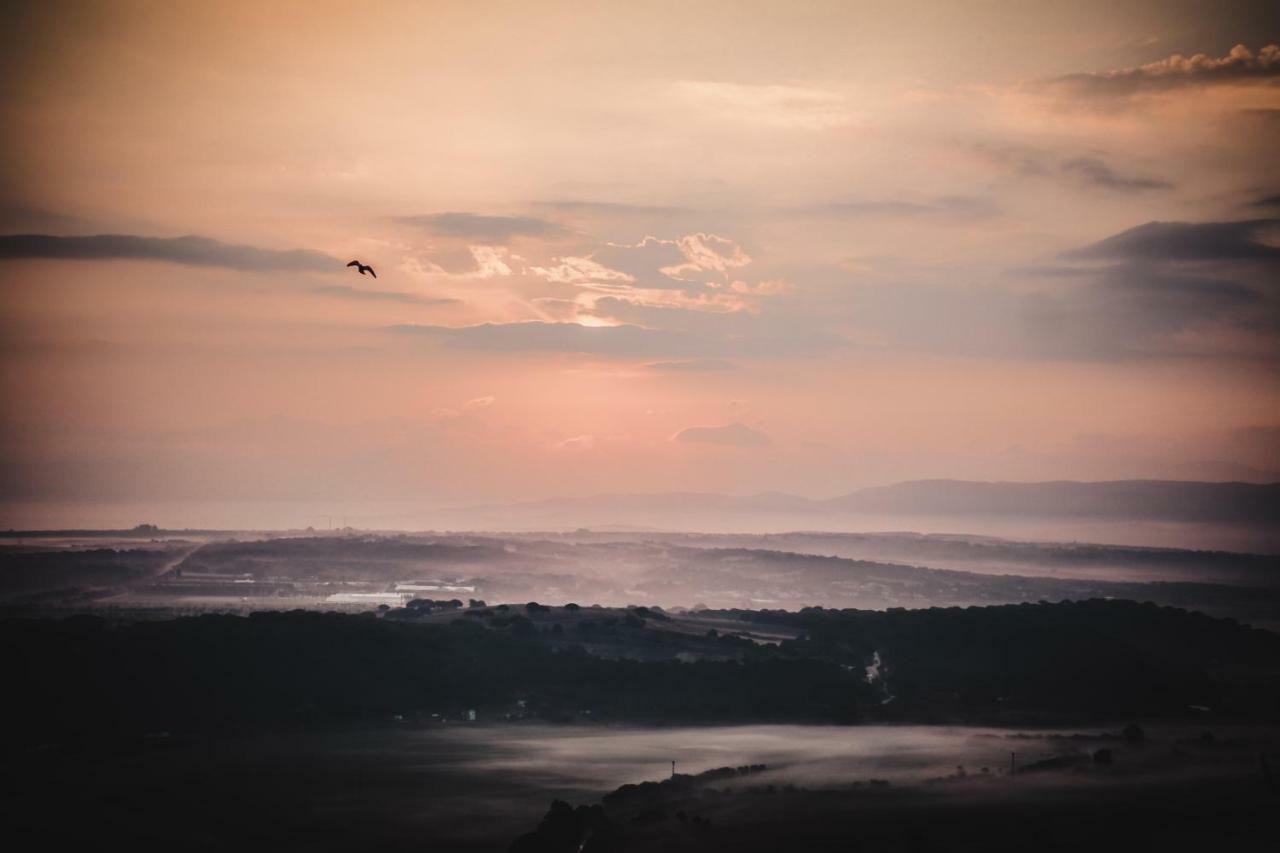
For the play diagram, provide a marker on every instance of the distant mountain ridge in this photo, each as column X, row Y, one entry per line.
column 1174, row 500
column 1151, row 500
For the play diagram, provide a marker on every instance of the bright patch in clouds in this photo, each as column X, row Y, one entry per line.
column 490, row 261
column 571, row 270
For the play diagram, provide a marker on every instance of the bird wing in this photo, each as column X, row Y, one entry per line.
column 354, row 264
column 371, row 272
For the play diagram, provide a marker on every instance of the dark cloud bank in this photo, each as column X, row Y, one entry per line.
column 191, row 250
column 1186, row 241
column 1239, row 65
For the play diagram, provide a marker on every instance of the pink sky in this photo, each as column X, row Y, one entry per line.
column 630, row 247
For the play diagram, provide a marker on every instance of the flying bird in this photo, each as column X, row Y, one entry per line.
column 363, row 268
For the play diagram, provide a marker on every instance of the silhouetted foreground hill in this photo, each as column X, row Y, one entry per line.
column 82, row 677
column 1136, row 801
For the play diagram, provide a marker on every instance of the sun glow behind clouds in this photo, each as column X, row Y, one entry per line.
column 594, row 322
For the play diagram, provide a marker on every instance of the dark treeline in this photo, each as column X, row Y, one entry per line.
column 1077, row 657
column 303, row 669
column 25, row 570
column 82, row 677
column 341, row 556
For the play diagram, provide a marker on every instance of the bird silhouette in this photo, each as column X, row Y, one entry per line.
column 363, row 268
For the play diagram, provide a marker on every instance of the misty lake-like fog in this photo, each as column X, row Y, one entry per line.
column 599, row 759
column 477, row 784
column 808, row 755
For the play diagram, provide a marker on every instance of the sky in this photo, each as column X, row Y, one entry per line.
column 724, row 247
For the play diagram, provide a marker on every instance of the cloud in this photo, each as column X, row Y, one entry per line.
column 1052, row 270
column 463, row 262
column 695, row 365
column 717, row 336
column 26, row 218
column 481, row 402
column 715, row 314
column 653, row 269
column 1146, row 310
column 726, row 328
column 1240, row 65
column 692, row 258
column 573, row 270
column 577, row 442
column 491, row 262
column 707, row 253
column 537, row 336
column 191, row 250
column 344, row 292
column 957, row 206
column 1265, row 116
column 475, row 226
column 1195, row 295
column 1095, row 172
column 1185, row 241
column 643, row 260
column 1174, row 288
column 1158, row 290
column 768, row 287
column 1119, row 314
column 610, row 208
column 1085, row 170
column 780, row 106
column 730, row 435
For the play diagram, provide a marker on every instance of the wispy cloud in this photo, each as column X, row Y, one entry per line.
column 1095, row 172
column 946, row 206
column 1088, row 171
column 730, row 435
column 716, row 337
column 609, row 208
column 339, row 291
column 537, row 336
column 481, row 227
column 773, row 105
column 575, row 270
column 577, row 442
column 691, row 258
column 694, row 365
